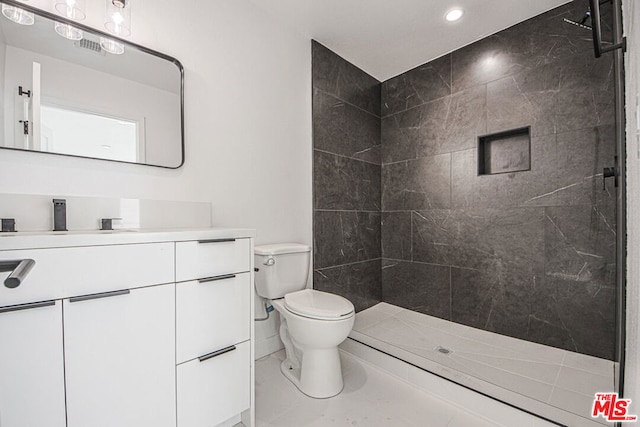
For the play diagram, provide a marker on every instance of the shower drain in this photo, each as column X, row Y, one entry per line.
column 443, row 350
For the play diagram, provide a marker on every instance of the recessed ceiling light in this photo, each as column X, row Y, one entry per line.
column 454, row 14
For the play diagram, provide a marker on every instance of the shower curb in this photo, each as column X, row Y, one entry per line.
column 457, row 393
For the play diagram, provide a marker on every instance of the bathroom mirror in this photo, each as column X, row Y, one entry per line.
column 96, row 97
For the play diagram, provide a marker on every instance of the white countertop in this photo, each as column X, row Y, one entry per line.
column 61, row 239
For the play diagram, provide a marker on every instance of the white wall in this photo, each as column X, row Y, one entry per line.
column 247, row 115
column 632, row 69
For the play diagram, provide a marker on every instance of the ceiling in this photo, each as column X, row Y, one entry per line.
column 388, row 37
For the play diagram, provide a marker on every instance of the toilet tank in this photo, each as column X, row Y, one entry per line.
column 282, row 268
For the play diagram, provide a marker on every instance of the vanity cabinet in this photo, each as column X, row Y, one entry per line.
column 117, row 337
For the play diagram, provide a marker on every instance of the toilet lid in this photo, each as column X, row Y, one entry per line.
column 318, row 305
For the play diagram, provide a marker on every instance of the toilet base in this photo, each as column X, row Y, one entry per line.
column 313, row 362
column 322, row 377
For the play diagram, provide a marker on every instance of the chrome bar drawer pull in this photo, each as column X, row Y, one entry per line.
column 19, row 270
column 100, row 295
column 217, row 353
column 216, row 241
column 213, row 279
column 19, row 307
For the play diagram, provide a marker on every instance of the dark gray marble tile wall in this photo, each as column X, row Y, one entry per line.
column 359, row 282
column 346, row 180
column 528, row 254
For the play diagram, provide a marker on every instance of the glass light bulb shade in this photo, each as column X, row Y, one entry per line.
column 118, row 20
column 68, row 32
column 111, row 46
column 72, row 9
column 17, row 15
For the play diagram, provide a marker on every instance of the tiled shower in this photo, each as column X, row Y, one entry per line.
column 346, row 180
column 402, row 215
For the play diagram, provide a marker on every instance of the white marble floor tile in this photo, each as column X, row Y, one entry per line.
column 509, row 380
column 451, row 328
column 575, row 402
column 530, row 350
column 370, row 317
column 371, row 398
column 539, row 371
column 404, row 335
column 465, row 420
column 591, row 364
column 583, row 381
column 276, row 396
column 388, row 308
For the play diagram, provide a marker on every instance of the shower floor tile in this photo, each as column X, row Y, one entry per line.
column 550, row 375
column 370, row 398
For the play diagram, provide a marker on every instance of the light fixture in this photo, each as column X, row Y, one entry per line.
column 68, row 31
column 118, row 17
column 17, row 15
column 71, row 9
column 454, row 14
column 111, row 46
column 118, row 20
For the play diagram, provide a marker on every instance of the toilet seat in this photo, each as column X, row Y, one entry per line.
column 318, row 305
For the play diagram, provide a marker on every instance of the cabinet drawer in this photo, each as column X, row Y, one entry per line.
column 207, row 258
column 63, row 272
column 212, row 313
column 214, row 390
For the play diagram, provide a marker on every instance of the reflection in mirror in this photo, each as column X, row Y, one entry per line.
column 96, row 97
column 91, row 135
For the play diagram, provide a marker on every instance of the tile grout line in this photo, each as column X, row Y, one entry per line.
column 431, row 156
column 564, row 357
column 346, row 102
column 346, row 210
column 464, row 88
column 347, row 157
column 347, row 264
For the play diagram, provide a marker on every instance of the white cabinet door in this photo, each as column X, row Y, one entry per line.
column 31, row 366
column 120, row 359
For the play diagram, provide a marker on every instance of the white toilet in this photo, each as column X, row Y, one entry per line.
column 312, row 324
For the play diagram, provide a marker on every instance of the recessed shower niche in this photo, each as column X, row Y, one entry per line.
column 505, row 152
